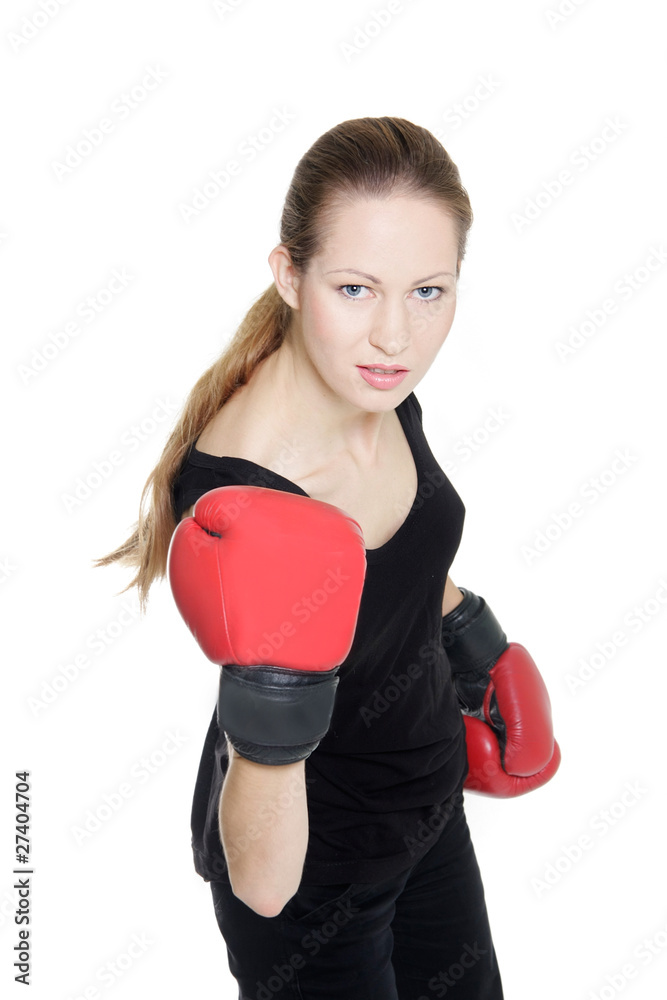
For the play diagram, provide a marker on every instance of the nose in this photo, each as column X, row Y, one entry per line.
column 391, row 331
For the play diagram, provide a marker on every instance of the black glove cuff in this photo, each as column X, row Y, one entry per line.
column 273, row 715
column 472, row 636
column 272, row 755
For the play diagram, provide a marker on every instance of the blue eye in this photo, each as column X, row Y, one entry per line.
column 427, row 293
column 429, row 288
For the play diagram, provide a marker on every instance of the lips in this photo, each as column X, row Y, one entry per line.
column 382, row 376
column 383, row 369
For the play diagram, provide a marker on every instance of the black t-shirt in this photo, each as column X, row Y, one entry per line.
column 395, row 751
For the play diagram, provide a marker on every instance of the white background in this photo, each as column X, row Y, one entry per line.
column 562, row 927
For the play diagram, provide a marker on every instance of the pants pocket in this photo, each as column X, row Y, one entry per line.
column 316, row 903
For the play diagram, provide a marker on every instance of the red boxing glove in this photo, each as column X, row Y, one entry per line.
column 486, row 774
column 509, row 733
column 269, row 583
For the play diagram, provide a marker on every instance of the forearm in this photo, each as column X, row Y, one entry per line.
column 263, row 820
column 451, row 597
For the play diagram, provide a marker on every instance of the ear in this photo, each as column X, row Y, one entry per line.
column 285, row 275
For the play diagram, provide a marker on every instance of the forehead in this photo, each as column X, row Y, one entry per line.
column 394, row 231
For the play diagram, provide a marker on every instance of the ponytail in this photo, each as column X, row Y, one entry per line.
column 260, row 333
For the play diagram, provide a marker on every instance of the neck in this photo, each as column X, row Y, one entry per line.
column 295, row 401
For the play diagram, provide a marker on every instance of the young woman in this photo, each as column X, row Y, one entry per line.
column 339, row 858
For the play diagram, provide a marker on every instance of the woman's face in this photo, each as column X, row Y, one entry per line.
column 381, row 293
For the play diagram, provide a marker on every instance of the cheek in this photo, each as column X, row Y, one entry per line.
column 319, row 333
column 331, row 326
column 319, row 315
column 431, row 329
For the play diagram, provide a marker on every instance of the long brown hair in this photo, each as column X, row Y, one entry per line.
column 364, row 156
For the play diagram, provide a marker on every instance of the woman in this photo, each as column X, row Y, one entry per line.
column 349, row 872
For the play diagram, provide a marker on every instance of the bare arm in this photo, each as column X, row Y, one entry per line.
column 263, row 820
column 263, row 823
column 451, row 598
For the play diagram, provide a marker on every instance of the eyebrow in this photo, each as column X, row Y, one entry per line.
column 370, row 277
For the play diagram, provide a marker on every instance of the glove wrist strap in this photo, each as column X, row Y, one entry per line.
column 273, row 715
column 472, row 636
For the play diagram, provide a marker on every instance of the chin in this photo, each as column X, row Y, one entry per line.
column 383, row 402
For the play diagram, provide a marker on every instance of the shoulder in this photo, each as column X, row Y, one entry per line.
column 249, row 423
column 229, row 431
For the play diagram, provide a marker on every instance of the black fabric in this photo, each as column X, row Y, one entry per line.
column 421, row 934
column 395, row 749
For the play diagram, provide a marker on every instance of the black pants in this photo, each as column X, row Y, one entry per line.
column 420, row 935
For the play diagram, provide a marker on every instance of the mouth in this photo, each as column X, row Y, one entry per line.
column 383, row 369
column 382, row 376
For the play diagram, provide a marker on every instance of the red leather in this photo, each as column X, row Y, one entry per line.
column 485, row 771
column 523, row 702
column 281, row 585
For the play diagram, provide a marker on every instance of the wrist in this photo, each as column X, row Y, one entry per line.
column 274, row 715
column 472, row 637
column 254, row 770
